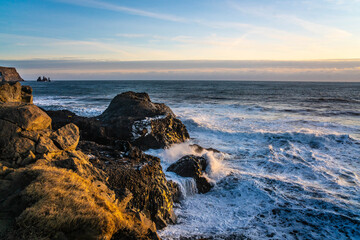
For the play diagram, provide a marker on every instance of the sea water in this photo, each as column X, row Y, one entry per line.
column 289, row 166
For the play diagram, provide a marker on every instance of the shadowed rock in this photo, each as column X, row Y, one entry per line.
column 130, row 117
column 141, row 174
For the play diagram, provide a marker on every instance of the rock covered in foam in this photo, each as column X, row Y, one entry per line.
column 194, row 167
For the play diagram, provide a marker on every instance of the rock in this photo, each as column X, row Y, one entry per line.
column 130, row 117
column 26, row 94
column 133, row 105
column 47, row 201
column 26, row 116
column 133, row 117
column 142, row 175
column 46, row 145
column 91, row 129
column 175, row 191
column 50, row 191
column 43, row 79
column 14, row 92
column 163, row 132
column 9, row 74
column 194, row 167
column 199, row 149
column 67, row 137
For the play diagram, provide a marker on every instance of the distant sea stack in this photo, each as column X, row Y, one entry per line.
column 9, row 74
column 43, row 79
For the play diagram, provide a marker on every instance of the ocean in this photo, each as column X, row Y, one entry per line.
column 289, row 166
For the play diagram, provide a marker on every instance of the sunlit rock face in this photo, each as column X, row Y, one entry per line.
column 14, row 92
column 51, row 190
column 8, row 74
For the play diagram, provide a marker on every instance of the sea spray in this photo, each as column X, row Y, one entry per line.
column 305, row 186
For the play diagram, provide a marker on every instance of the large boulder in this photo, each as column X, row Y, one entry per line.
column 132, row 116
column 14, row 92
column 9, row 74
column 26, row 116
column 194, row 167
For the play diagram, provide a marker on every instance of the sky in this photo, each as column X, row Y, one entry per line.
column 302, row 40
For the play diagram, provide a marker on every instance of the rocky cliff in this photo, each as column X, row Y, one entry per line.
column 51, row 189
column 9, row 74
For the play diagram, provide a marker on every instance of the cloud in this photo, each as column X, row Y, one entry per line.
column 330, row 70
column 118, row 8
column 312, row 27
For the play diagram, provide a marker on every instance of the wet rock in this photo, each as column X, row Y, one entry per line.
column 199, row 149
column 194, row 167
column 146, row 181
column 132, row 116
column 175, row 191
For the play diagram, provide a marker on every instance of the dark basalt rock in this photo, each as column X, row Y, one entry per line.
column 194, row 167
column 135, row 106
column 137, row 172
column 130, row 117
column 91, row 129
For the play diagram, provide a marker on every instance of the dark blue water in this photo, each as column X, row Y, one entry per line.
column 290, row 167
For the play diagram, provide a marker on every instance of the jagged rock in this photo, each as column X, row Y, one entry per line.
column 9, row 74
column 175, row 191
column 43, row 79
column 129, row 168
column 50, row 191
column 14, row 92
column 194, row 167
column 132, row 116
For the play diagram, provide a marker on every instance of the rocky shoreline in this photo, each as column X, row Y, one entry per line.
column 65, row 176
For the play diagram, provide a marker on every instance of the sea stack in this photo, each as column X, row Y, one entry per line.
column 9, row 74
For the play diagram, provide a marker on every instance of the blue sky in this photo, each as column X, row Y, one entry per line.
column 113, row 31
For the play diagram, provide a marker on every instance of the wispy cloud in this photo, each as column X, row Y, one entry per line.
column 120, row 8
column 331, row 70
column 131, row 35
column 312, row 27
